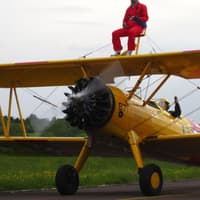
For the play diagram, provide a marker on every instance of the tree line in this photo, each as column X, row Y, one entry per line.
column 42, row 127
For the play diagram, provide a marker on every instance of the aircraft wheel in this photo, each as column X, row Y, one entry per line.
column 67, row 180
column 151, row 180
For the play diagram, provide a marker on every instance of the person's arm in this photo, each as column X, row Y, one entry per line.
column 177, row 107
column 177, row 111
column 144, row 15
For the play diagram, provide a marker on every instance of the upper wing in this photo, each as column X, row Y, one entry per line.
column 51, row 73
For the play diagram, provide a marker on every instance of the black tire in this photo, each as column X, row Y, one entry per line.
column 67, row 180
column 151, row 180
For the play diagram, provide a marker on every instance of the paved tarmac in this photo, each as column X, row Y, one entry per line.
column 171, row 190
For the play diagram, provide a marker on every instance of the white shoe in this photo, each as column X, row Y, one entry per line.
column 129, row 53
column 117, row 53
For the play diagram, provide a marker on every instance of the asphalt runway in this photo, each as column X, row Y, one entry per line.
column 171, row 190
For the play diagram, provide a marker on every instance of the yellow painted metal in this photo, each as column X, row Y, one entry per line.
column 45, row 139
column 156, row 90
column 137, row 46
column 65, row 72
column 134, row 145
column 9, row 111
column 6, row 128
column 155, row 180
column 144, row 72
column 146, row 121
column 5, row 133
column 85, row 74
column 124, row 53
column 20, row 114
column 118, row 126
column 138, row 41
column 82, row 157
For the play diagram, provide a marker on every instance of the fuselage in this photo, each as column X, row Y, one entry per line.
column 145, row 121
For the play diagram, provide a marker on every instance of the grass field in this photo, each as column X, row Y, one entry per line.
column 23, row 172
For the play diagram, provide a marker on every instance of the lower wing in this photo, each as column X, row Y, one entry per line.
column 176, row 148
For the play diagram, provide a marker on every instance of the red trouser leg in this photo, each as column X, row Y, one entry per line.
column 132, row 34
column 116, row 38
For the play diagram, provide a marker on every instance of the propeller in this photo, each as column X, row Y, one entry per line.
column 90, row 105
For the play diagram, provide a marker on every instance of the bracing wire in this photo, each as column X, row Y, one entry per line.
column 42, row 99
column 32, row 92
column 192, row 83
column 95, row 50
column 147, row 88
column 193, row 111
column 152, row 44
column 186, row 95
column 149, row 84
column 48, row 96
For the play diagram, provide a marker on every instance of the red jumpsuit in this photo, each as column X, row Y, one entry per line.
column 134, row 23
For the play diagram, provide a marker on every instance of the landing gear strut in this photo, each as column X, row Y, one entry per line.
column 150, row 176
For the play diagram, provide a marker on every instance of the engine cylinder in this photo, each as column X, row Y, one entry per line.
column 90, row 105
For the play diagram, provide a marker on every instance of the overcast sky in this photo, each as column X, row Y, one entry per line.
column 33, row 30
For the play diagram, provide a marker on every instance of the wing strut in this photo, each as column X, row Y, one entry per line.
column 20, row 114
column 6, row 127
column 156, row 90
column 85, row 74
column 144, row 72
column 3, row 123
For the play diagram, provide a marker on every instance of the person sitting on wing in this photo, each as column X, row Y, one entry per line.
column 134, row 23
column 164, row 104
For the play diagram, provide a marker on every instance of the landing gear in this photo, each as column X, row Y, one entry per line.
column 150, row 176
column 151, row 180
column 67, row 180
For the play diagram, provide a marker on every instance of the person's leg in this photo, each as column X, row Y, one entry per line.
column 116, row 38
column 132, row 34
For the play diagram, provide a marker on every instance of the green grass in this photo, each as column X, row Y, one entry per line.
column 23, row 172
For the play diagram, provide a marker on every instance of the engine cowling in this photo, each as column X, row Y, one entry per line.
column 90, row 105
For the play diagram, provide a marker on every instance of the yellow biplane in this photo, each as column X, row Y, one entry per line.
column 105, row 111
